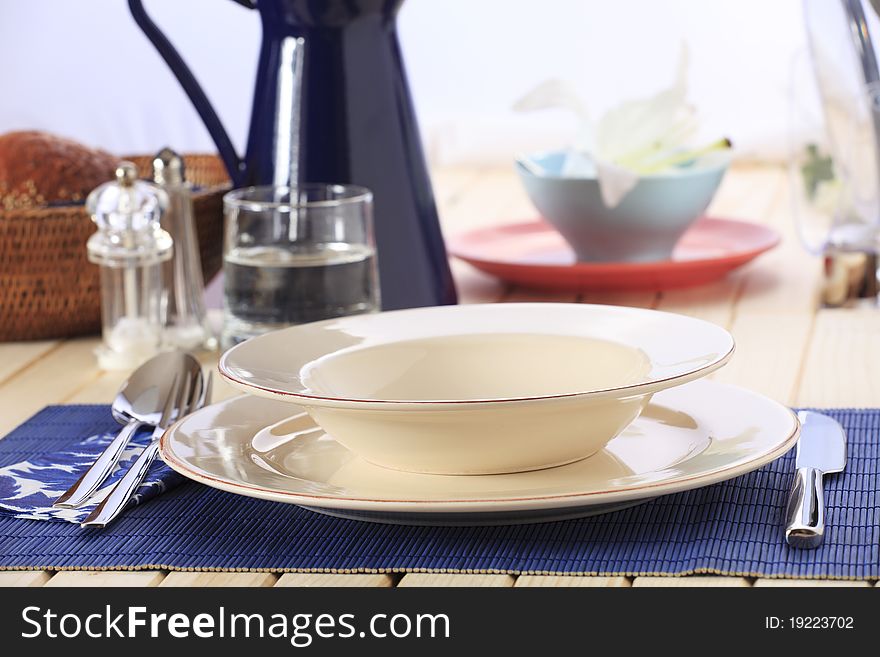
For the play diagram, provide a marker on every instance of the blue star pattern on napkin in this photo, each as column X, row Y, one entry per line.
column 29, row 488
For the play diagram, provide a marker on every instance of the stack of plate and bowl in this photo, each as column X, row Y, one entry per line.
column 480, row 414
column 656, row 237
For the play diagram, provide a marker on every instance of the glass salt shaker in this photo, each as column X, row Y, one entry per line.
column 186, row 325
column 130, row 247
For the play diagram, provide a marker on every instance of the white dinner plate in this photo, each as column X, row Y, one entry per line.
column 688, row 437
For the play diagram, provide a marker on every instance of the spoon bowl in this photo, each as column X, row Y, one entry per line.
column 143, row 395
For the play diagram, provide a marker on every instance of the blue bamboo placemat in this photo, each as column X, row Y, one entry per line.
column 732, row 528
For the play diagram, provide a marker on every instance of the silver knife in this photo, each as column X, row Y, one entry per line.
column 821, row 450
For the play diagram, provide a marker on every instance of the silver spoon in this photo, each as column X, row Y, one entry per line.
column 188, row 391
column 139, row 402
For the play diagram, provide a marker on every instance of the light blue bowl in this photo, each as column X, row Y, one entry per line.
column 645, row 226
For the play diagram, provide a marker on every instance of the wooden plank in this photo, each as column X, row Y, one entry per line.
column 106, row 578
column 16, row 356
column 488, row 200
column 518, row 207
column 450, row 182
column 24, row 578
column 362, row 580
column 221, row 389
column 455, row 579
column 50, row 380
column 474, row 286
column 747, row 191
column 481, row 202
column 840, row 367
column 642, row 299
column 769, row 353
column 690, row 581
column 713, row 302
column 782, row 281
column 826, row 583
column 212, row 579
column 772, row 324
column 492, row 198
column 101, row 390
column 750, row 193
column 768, row 306
column 564, row 581
column 773, row 314
column 528, row 295
column 787, row 278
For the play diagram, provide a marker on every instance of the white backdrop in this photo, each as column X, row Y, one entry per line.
column 83, row 69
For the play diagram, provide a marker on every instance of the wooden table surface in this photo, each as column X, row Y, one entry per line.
column 788, row 349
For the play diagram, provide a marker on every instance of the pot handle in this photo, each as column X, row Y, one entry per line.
column 234, row 164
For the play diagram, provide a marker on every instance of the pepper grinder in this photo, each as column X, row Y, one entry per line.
column 186, row 325
column 130, row 247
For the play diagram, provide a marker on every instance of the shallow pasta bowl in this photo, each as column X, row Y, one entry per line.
column 478, row 389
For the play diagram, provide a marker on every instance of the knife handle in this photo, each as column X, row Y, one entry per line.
column 806, row 510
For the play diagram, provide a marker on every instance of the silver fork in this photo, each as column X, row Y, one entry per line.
column 182, row 400
column 89, row 482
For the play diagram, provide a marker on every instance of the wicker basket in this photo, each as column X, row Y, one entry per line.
column 49, row 289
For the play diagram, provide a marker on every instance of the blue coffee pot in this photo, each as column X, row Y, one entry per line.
column 332, row 105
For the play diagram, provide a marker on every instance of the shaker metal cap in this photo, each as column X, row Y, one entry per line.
column 126, row 174
column 168, row 168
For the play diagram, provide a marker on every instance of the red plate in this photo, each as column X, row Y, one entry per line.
column 533, row 254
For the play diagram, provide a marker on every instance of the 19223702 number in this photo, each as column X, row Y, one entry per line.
column 821, row 622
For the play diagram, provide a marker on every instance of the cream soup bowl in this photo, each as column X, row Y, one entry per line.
column 478, row 389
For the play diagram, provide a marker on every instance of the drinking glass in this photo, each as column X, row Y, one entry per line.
column 835, row 150
column 834, row 167
column 296, row 255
